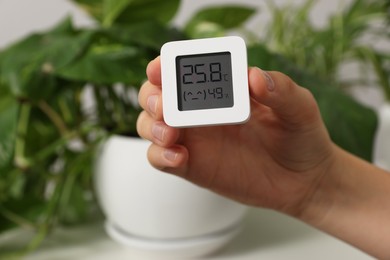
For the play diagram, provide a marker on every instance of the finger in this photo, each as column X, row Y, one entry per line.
column 290, row 102
column 173, row 159
column 156, row 131
column 153, row 71
column 149, row 98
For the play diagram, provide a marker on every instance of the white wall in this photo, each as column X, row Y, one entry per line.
column 21, row 17
column 18, row 18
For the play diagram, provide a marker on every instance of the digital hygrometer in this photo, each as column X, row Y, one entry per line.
column 205, row 82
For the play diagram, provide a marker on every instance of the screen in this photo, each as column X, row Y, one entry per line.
column 204, row 81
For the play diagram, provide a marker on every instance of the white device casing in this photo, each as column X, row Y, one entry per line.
column 238, row 113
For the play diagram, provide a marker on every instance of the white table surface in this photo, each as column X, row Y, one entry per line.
column 265, row 235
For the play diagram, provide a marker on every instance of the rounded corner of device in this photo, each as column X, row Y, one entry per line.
column 246, row 118
column 164, row 47
column 169, row 122
column 239, row 39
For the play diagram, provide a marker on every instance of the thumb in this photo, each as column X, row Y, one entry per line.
column 288, row 101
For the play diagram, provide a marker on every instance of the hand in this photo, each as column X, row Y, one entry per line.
column 275, row 160
column 282, row 158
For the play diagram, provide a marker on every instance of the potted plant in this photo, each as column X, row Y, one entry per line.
column 69, row 95
column 50, row 134
column 160, row 212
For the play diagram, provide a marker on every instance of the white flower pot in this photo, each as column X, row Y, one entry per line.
column 151, row 210
column 381, row 155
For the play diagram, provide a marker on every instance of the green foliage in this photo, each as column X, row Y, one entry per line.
column 110, row 12
column 146, row 10
column 387, row 7
column 94, row 8
column 381, row 65
column 9, row 109
column 108, row 64
column 350, row 125
column 31, row 63
column 149, row 34
column 324, row 50
column 48, row 137
column 214, row 21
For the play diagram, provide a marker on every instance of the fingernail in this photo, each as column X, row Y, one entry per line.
column 170, row 155
column 158, row 131
column 270, row 82
column 152, row 104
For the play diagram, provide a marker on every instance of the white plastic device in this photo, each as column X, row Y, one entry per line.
column 205, row 82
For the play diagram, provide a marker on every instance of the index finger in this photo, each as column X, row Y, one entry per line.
column 153, row 71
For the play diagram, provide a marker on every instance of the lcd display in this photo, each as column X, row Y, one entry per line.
column 204, row 81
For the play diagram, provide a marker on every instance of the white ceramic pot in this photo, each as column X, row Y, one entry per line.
column 381, row 155
column 151, row 210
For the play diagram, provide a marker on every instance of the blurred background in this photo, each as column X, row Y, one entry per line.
column 19, row 18
column 70, row 72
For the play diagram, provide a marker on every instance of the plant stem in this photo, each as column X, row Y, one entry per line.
column 37, row 240
column 65, row 111
column 119, row 109
column 15, row 218
column 53, row 147
column 100, row 105
column 54, row 117
column 52, row 209
column 20, row 159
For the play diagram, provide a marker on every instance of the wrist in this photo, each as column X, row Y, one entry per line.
column 351, row 202
column 325, row 192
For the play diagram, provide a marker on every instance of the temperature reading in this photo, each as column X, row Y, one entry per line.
column 215, row 72
column 198, row 73
column 204, row 81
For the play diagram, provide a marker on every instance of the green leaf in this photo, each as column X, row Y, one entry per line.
column 112, row 9
column 216, row 20
column 110, row 12
column 9, row 109
column 108, row 64
column 135, row 11
column 350, row 124
column 28, row 66
column 149, row 34
column 93, row 7
column 64, row 27
column 146, row 10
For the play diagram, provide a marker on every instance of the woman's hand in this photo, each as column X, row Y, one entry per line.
column 276, row 160
column 282, row 158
